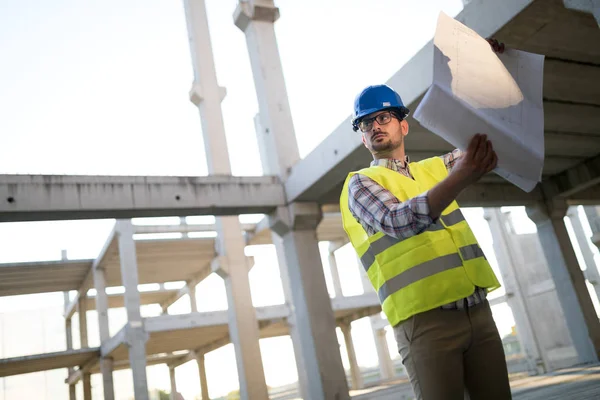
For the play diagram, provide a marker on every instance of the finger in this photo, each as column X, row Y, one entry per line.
column 494, row 44
column 493, row 163
column 488, row 150
column 472, row 148
column 480, row 152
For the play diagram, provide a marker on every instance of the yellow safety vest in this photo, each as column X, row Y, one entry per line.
column 438, row 266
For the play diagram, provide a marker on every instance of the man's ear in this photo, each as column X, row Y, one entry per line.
column 362, row 137
column 404, row 127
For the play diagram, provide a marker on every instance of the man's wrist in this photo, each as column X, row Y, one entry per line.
column 459, row 180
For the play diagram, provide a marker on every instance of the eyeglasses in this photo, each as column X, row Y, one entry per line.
column 366, row 124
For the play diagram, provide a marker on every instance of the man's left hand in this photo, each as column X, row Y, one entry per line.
column 496, row 46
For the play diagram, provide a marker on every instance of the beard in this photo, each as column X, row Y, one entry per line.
column 385, row 144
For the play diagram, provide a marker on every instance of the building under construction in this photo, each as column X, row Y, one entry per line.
column 545, row 284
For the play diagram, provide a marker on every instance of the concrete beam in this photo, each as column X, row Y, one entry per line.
column 271, row 313
column 351, row 302
column 45, row 362
column 588, row 197
column 94, row 367
column 216, row 344
column 260, row 227
column 202, row 350
column 573, row 180
column 54, row 197
column 116, row 300
column 111, row 345
column 571, row 82
column 575, row 118
column 203, row 274
column 328, row 164
column 202, row 319
column 167, row 322
column 187, row 228
column 76, row 376
column 587, row 6
column 500, row 299
column 571, row 144
column 88, row 281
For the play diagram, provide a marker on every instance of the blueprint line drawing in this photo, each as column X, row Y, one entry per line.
column 476, row 90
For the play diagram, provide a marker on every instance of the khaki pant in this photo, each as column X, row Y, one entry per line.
column 454, row 355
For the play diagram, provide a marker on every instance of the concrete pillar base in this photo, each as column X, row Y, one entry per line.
column 106, row 364
column 578, row 309
column 173, row 395
column 87, row 386
column 296, row 225
column 106, row 368
column 515, row 280
column 202, row 373
column 136, row 335
column 355, row 374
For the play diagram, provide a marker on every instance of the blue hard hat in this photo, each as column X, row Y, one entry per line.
column 377, row 98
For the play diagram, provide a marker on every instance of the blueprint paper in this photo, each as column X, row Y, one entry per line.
column 475, row 90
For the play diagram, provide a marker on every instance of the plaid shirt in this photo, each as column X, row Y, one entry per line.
column 378, row 210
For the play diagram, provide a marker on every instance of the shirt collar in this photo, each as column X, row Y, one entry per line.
column 392, row 163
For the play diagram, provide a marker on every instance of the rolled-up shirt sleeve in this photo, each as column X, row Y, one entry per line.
column 378, row 209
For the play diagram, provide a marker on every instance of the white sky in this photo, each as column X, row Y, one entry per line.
column 101, row 87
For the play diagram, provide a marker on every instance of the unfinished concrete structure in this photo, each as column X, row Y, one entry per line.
column 298, row 198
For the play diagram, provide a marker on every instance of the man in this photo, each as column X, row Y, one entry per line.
column 421, row 256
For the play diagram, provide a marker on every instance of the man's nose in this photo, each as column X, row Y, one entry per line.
column 376, row 127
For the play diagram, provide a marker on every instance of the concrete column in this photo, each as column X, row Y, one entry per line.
column 591, row 272
column 106, row 369
column 69, row 337
column 587, row 6
column 106, row 364
column 515, row 293
column 335, row 276
column 173, row 384
column 243, row 325
column 292, row 319
column 83, row 338
column 87, row 386
column 355, row 374
column 182, row 221
column 593, row 215
column 316, row 347
column 574, row 297
column 276, row 136
column 203, row 380
column 192, row 294
column 233, row 267
column 296, row 225
column 82, row 313
column 135, row 328
column 386, row 366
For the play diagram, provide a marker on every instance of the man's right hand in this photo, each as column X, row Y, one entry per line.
column 479, row 159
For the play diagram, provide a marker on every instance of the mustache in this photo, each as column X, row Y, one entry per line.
column 378, row 133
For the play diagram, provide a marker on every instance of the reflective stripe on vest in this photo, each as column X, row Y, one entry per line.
column 385, row 242
column 427, row 269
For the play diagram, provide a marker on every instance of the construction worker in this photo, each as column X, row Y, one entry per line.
column 421, row 256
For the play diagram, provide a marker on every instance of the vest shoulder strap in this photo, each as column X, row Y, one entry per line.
column 435, row 166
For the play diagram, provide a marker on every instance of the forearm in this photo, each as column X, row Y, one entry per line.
column 406, row 219
column 379, row 210
column 441, row 195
